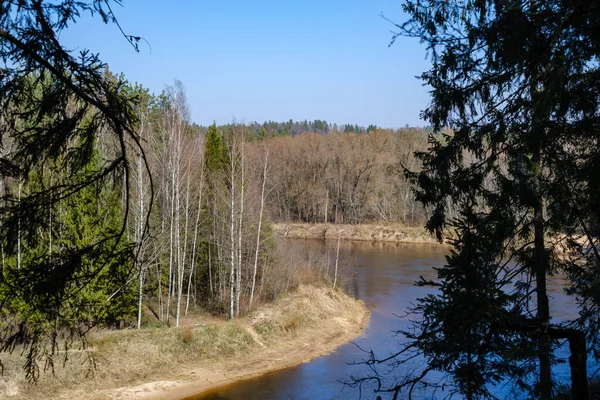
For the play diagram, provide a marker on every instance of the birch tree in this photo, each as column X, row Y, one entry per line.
column 260, row 218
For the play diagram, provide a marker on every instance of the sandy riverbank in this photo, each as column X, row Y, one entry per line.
column 364, row 232
column 164, row 363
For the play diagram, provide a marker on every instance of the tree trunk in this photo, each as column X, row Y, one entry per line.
column 139, row 238
column 262, row 206
column 239, row 248
column 187, row 300
column 326, row 201
column 19, row 226
column 210, row 278
column 160, row 298
column 541, row 268
column 171, row 238
column 50, row 224
column 140, row 297
column 579, row 382
column 232, row 235
column 181, row 256
column 337, row 257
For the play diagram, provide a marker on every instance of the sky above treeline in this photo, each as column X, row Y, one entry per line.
column 247, row 61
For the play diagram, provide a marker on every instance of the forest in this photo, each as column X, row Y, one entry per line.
column 116, row 211
column 200, row 207
column 218, row 188
column 215, row 191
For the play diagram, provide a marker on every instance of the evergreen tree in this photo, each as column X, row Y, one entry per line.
column 106, row 295
column 215, row 153
column 98, row 291
column 517, row 82
column 53, row 105
column 213, row 211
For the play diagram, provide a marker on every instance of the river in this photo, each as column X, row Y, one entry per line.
column 383, row 276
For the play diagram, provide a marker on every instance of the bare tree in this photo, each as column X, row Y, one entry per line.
column 260, row 217
column 194, row 241
column 337, row 258
column 232, row 227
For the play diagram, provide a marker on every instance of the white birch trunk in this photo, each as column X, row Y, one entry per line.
column 172, row 249
column 140, row 229
column 232, row 231
column 171, row 255
column 326, row 201
column 337, row 257
column 239, row 249
column 187, row 300
column 262, row 206
column 19, row 227
column 180, row 253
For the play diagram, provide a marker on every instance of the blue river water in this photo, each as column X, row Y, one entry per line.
column 383, row 276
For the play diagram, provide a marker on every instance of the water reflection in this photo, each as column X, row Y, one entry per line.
column 383, row 276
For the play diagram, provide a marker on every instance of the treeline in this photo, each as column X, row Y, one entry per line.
column 209, row 241
column 117, row 211
column 198, row 204
column 269, row 129
column 197, row 233
column 217, row 189
column 345, row 177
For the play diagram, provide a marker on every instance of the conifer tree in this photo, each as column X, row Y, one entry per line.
column 53, row 105
column 215, row 153
column 517, row 83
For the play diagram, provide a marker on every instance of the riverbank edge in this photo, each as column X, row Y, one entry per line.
column 294, row 353
column 303, row 348
column 315, row 322
column 391, row 233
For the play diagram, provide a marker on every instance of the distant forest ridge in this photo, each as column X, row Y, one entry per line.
column 293, row 128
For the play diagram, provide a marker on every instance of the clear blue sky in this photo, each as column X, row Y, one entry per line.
column 268, row 60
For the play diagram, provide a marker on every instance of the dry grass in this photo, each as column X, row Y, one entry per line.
column 131, row 357
column 364, row 232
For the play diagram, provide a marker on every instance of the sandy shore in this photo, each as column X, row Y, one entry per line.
column 363, row 232
column 172, row 364
column 304, row 348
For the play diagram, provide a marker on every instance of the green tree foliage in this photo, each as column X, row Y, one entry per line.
column 215, row 152
column 349, row 128
column 53, row 104
column 91, row 295
column 215, row 160
column 517, row 82
column 89, row 215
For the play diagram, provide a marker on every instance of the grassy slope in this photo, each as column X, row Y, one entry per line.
column 132, row 364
